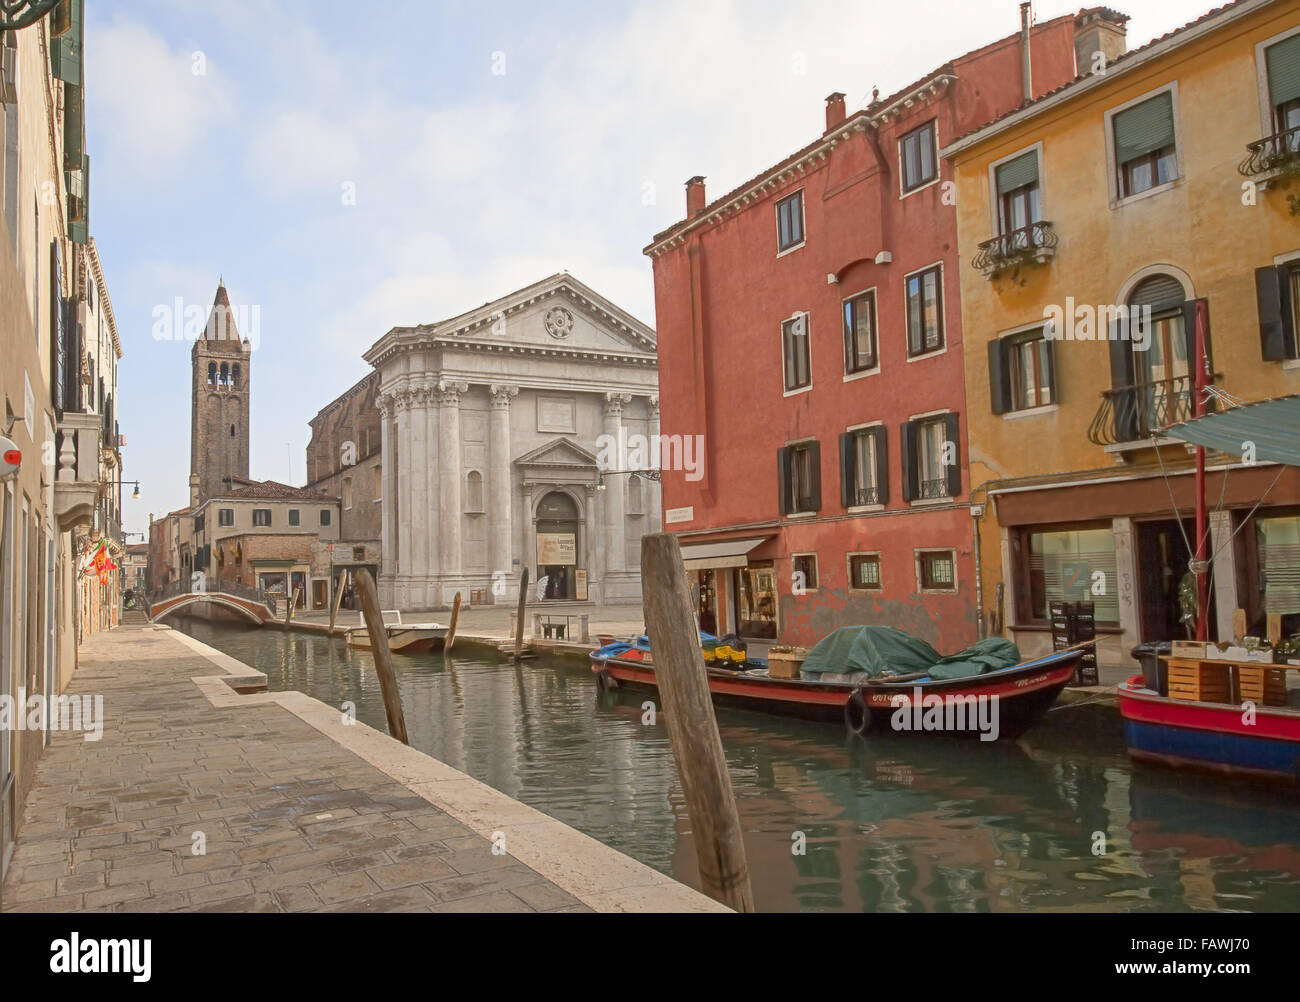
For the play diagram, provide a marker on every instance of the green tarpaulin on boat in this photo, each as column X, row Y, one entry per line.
column 878, row 651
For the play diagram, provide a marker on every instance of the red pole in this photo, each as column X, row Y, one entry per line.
column 1199, row 381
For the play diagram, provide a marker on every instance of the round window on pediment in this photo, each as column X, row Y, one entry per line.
column 559, row 323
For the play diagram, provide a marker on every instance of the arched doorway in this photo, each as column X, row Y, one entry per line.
column 557, row 546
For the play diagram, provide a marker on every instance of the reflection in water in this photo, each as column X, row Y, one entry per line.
column 1058, row 821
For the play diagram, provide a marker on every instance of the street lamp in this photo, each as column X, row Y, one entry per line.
column 123, row 483
column 15, row 14
column 654, row 475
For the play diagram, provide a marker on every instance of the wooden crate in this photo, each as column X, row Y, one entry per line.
column 785, row 664
column 1261, row 686
column 1199, row 681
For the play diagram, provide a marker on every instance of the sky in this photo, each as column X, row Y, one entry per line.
column 348, row 167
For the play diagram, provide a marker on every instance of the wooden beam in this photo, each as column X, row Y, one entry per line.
column 692, row 726
column 383, row 655
column 338, row 600
column 519, row 617
column 288, row 612
column 451, row 630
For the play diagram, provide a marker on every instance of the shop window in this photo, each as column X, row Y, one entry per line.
column 1073, row 565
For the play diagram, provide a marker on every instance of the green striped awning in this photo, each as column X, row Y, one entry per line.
column 1271, row 426
column 1284, row 70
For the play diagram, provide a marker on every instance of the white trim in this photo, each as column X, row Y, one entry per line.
column 1031, row 412
column 1127, row 478
column 807, row 335
column 864, row 427
column 995, row 199
column 1261, row 78
column 931, row 414
column 875, row 332
column 803, row 221
column 943, row 311
column 952, row 553
column 1112, row 166
column 938, row 159
column 880, row 564
column 1135, row 279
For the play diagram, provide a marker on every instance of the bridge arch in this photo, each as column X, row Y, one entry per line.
column 161, row 610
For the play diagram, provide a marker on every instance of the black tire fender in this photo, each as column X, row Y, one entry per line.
column 857, row 716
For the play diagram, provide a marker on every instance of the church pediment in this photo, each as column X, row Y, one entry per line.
column 560, row 454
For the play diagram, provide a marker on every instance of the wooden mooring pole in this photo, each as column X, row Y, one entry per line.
column 451, row 630
column 519, row 617
column 692, row 726
column 383, row 656
column 338, row 600
column 288, row 613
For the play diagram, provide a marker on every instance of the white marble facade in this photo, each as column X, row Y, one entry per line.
column 492, row 423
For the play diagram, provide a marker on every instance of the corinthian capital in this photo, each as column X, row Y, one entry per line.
column 502, row 395
column 451, row 392
column 615, row 402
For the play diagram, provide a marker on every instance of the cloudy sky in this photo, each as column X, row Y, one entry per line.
column 351, row 166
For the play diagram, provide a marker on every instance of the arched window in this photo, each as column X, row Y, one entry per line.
column 234, row 376
column 1159, row 352
column 225, row 374
column 212, row 373
column 474, row 491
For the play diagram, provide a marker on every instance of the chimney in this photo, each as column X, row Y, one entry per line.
column 1026, row 67
column 695, row 200
column 835, row 112
column 1100, row 37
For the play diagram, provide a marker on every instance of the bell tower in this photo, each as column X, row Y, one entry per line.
column 220, row 401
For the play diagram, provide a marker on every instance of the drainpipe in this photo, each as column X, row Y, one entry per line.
column 977, row 513
column 1026, row 72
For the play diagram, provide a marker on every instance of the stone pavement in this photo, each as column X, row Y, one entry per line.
column 293, row 819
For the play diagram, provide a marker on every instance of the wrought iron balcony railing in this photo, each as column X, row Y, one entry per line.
column 866, row 496
column 1271, row 154
column 1138, row 412
column 1032, row 244
column 934, row 490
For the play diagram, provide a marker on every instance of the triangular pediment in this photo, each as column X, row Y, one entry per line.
column 560, row 454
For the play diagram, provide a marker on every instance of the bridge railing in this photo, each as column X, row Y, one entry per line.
column 204, row 585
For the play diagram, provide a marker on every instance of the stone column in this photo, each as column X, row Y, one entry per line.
column 654, row 508
column 449, row 495
column 417, row 519
column 500, row 535
column 1224, row 571
column 593, row 555
column 530, row 534
column 1126, row 569
column 615, row 514
column 388, row 463
column 403, row 523
column 432, row 460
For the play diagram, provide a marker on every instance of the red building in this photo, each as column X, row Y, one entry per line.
column 810, row 335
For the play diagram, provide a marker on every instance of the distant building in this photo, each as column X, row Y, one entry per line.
column 220, row 398
column 492, row 433
column 135, row 565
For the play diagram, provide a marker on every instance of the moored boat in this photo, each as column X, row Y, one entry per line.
column 1015, row 697
column 403, row 638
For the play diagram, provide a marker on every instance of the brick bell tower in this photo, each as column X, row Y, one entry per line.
column 220, row 396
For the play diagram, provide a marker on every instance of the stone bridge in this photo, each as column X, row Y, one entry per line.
column 257, row 606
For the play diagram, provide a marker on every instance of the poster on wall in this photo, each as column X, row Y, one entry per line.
column 557, row 549
column 580, row 582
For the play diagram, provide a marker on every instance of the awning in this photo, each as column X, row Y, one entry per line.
column 715, row 556
column 1271, row 427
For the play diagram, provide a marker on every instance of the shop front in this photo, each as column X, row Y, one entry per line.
column 734, row 589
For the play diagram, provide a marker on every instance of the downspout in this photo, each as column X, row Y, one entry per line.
column 977, row 514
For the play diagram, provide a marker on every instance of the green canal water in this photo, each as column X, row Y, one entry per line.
column 1059, row 821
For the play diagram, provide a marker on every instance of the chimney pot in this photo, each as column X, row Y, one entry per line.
column 835, row 111
column 1100, row 37
column 695, row 200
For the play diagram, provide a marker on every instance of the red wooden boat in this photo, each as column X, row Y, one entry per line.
column 1015, row 697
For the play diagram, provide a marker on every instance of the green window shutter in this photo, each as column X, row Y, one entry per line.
column 74, row 127
column 952, row 433
column 907, row 444
column 815, row 448
column 1017, row 173
column 66, row 49
column 1276, row 325
column 785, row 500
column 848, row 468
column 1144, row 128
column 999, row 383
column 1284, row 70
column 882, row 464
column 79, row 230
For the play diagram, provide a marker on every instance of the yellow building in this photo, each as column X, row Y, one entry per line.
column 1093, row 221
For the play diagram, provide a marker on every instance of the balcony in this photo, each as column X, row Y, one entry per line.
column 76, row 480
column 1030, row 245
column 1272, row 158
column 865, row 497
column 935, row 490
column 1138, row 413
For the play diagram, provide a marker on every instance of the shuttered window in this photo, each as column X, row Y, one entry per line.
column 1283, row 62
column 1018, row 173
column 1145, row 152
column 799, row 478
column 796, row 354
column 1279, row 558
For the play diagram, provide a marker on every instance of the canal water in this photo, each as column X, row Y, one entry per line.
column 1059, row 821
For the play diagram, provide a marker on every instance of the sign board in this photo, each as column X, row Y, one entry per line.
column 580, row 582
column 674, row 516
column 557, row 549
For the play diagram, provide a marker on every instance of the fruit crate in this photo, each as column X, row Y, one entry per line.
column 785, row 662
column 1199, row 681
column 1262, row 686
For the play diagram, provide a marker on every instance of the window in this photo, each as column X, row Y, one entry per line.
column 347, row 492
column 1063, row 565
column 860, row 333
column 796, row 353
column 199, row 523
column 936, row 570
column 804, row 572
column 1278, row 543
column 295, row 518
column 863, row 467
column 789, row 222
column 799, row 470
column 226, row 517
column 1277, row 291
column 931, row 470
column 1283, row 65
column 864, row 572
column 918, row 163
column 324, row 516
column 1145, row 147
column 1022, row 372
column 1018, row 201
column 925, row 311
column 262, row 518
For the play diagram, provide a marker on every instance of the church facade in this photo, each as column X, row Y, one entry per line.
column 505, row 439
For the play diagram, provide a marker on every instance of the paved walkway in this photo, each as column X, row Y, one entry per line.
column 298, row 811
